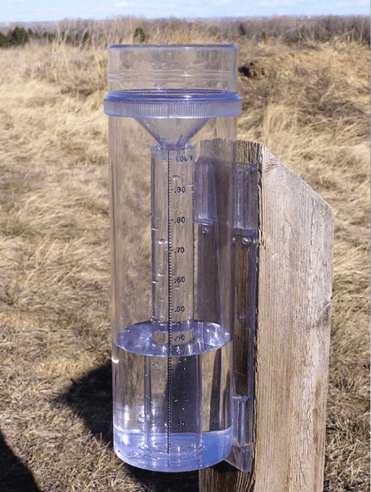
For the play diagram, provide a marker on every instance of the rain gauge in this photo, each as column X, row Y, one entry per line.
column 179, row 215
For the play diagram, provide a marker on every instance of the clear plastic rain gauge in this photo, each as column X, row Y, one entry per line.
column 178, row 216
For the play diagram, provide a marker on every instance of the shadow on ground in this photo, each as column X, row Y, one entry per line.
column 91, row 398
column 14, row 475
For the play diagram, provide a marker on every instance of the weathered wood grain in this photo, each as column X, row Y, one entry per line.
column 292, row 336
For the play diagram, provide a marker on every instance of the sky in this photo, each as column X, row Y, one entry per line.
column 45, row 10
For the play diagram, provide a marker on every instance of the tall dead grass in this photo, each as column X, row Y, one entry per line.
column 288, row 29
column 309, row 104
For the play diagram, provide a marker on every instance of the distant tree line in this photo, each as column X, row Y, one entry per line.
column 16, row 37
column 19, row 36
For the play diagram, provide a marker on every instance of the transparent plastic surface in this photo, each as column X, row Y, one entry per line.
column 172, row 295
column 245, row 243
column 201, row 434
column 186, row 67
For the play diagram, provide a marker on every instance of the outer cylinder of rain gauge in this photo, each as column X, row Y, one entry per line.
column 171, row 243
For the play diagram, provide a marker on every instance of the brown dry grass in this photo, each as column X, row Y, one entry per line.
column 308, row 103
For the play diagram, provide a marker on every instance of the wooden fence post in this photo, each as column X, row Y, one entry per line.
column 292, row 336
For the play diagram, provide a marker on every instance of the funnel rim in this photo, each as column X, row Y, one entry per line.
column 172, row 103
column 164, row 47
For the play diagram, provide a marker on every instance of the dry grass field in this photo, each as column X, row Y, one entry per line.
column 307, row 101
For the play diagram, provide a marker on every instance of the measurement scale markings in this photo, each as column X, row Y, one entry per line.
column 170, row 305
column 180, row 306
